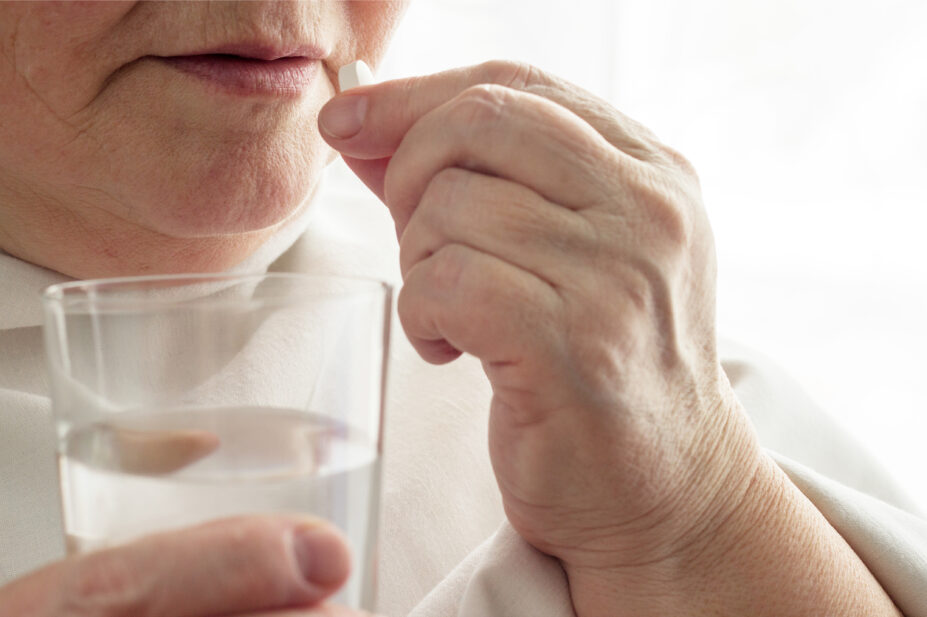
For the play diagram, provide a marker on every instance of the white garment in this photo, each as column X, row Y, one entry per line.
column 445, row 548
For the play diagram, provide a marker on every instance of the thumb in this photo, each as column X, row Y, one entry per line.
column 367, row 123
column 234, row 565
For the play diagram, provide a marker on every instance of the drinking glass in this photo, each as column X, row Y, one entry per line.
column 180, row 399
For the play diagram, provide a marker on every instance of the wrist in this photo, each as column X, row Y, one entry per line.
column 665, row 561
column 768, row 553
column 698, row 483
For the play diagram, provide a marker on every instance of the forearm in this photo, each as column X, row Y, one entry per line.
column 774, row 555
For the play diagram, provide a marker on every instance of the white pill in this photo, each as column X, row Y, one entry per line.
column 355, row 74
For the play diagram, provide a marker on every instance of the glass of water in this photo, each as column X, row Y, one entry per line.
column 180, row 399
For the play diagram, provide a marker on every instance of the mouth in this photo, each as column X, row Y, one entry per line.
column 252, row 70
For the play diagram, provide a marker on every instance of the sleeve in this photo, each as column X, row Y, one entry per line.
column 891, row 542
column 503, row 577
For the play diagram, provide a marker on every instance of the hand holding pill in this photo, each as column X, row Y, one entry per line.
column 563, row 245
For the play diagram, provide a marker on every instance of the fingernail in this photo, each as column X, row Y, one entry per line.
column 321, row 554
column 343, row 116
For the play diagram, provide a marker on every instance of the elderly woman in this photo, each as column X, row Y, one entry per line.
column 540, row 232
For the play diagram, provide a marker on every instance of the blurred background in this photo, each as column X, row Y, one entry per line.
column 807, row 121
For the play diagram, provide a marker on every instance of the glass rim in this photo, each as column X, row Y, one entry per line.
column 74, row 294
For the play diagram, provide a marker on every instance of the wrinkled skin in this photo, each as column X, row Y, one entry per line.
column 141, row 168
column 568, row 249
column 571, row 254
column 564, row 246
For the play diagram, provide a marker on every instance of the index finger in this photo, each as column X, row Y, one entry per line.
column 367, row 124
column 392, row 107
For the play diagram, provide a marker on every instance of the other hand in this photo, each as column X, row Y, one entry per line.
column 262, row 565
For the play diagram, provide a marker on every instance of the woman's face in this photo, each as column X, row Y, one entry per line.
column 189, row 120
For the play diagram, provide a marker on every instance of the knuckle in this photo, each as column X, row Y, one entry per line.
column 680, row 163
column 405, row 304
column 448, row 266
column 443, row 201
column 665, row 206
column 468, row 296
column 409, row 255
column 637, row 290
column 480, row 105
column 512, row 74
column 640, row 133
column 411, row 311
column 445, row 187
column 675, row 225
column 396, row 178
column 439, row 209
column 631, row 301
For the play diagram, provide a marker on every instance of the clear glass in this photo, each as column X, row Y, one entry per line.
column 181, row 399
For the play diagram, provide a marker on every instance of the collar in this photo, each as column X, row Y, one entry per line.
column 21, row 285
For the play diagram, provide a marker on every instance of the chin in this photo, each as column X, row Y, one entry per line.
column 215, row 214
column 237, row 201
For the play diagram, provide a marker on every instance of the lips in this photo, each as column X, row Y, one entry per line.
column 252, row 69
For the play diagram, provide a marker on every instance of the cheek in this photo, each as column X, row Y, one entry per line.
column 187, row 168
column 181, row 165
column 200, row 187
column 372, row 25
column 81, row 125
column 50, row 68
column 58, row 54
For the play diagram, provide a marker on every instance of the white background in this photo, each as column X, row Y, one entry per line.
column 807, row 121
